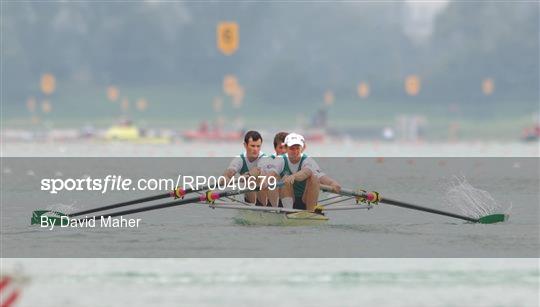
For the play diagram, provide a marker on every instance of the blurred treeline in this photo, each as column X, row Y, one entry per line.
column 288, row 51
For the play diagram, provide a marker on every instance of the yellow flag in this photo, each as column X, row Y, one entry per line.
column 328, row 98
column 363, row 89
column 112, row 93
column 488, row 86
column 230, row 85
column 228, row 37
column 48, row 84
column 141, row 104
column 412, row 85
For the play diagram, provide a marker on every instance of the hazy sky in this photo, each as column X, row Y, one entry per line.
column 419, row 21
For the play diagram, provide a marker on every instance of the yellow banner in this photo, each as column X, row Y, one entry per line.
column 228, row 37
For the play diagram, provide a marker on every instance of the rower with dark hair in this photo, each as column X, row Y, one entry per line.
column 280, row 148
column 246, row 164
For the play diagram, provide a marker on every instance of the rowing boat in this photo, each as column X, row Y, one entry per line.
column 268, row 216
column 132, row 134
column 276, row 216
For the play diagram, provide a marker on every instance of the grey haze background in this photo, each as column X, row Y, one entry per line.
column 290, row 53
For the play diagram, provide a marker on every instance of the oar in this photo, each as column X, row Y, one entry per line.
column 374, row 197
column 208, row 197
column 178, row 193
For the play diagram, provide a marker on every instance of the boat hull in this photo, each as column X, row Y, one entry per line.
column 268, row 218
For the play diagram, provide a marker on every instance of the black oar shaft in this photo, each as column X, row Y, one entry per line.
column 132, row 202
column 122, row 204
column 402, row 204
column 419, row 208
column 185, row 201
column 154, row 207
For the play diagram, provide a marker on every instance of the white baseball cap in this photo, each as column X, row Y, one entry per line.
column 294, row 139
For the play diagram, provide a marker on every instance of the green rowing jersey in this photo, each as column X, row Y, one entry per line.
column 245, row 167
column 298, row 186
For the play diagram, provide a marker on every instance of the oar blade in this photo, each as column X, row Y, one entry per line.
column 493, row 218
column 53, row 217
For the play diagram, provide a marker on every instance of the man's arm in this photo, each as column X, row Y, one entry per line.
column 327, row 180
column 301, row 175
column 310, row 168
column 233, row 168
column 229, row 173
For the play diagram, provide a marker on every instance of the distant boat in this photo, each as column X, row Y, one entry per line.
column 127, row 132
column 314, row 136
column 216, row 134
column 531, row 134
column 197, row 135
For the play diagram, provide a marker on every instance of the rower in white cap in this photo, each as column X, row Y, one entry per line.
column 301, row 175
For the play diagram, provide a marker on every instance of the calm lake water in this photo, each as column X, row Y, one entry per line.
column 386, row 256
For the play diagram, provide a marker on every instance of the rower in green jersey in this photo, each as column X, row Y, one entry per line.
column 246, row 164
column 280, row 148
column 300, row 174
